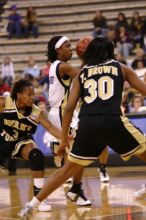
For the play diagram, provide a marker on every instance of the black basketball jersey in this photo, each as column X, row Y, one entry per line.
column 101, row 89
column 13, row 125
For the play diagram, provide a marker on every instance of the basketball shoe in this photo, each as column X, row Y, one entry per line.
column 25, row 212
column 76, row 194
column 141, row 193
column 44, row 206
column 103, row 175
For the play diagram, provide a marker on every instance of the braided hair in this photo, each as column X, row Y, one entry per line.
column 99, row 50
column 51, row 51
column 19, row 86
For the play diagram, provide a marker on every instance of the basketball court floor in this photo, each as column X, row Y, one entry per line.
column 113, row 201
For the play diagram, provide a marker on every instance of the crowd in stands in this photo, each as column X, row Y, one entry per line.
column 128, row 37
column 129, row 40
column 20, row 27
column 2, row 7
column 31, row 72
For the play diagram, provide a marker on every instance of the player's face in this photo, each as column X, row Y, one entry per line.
column 26, row 97
column 66, row 51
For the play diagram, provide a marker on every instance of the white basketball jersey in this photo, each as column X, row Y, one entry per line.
column 58, row 87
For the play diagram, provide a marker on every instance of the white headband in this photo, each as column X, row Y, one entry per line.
column 61, row 41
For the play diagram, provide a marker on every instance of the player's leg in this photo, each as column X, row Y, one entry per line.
column 76, row 193
column 130, row 142
column 28, row 151
column 104, row 177
column 54, row 181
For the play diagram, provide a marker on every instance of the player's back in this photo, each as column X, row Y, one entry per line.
column 101, row 89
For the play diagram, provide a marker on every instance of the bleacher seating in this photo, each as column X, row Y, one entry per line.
column 59, row 17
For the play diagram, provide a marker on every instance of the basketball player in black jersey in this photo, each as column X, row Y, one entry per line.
column 19, row 118
column 100, row 86
column 61, row 74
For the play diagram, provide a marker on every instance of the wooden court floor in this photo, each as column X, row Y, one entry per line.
column 113, row 201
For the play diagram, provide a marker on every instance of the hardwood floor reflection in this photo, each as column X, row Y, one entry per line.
column 111, row 201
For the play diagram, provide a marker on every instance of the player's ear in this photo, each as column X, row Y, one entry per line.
column 18, row 95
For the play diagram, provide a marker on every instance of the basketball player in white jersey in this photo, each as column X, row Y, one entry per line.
column 60, row 77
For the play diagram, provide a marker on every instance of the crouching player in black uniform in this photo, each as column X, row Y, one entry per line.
column 19, row 118
column 101, row 123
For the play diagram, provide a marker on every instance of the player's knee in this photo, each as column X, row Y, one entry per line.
column 36, row 159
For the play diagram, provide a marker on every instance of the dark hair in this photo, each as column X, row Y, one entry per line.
column 19, row 86
column 51, row 51
column 135, row 97
column 99, row 50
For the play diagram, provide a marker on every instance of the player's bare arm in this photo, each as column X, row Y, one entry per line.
column 67, row 69
column 49, row 126
column 133, row 79
column 71, row 105
column 2, row 103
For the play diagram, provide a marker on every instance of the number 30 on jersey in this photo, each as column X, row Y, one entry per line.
column 105, row 85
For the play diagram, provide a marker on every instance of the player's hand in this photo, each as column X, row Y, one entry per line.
column 62, row 148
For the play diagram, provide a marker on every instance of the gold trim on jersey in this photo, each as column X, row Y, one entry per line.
column 10, row 106
column 63, row 104
column 19, row 145
column 141, row 139
column 66, row 82
column 80, row 161
column 34, row 116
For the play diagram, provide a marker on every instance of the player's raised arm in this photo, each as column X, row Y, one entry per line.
column 67, row 69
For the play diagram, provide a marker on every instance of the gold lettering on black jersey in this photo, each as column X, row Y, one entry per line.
column 9, row 137
column 102, row 69
column 18, row 125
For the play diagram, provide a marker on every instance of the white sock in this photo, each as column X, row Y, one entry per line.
column 34, row 202
column 39, row 182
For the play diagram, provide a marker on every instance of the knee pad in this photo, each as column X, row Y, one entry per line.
column 36, row 159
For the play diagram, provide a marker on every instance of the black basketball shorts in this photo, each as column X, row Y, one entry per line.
column 96, row 132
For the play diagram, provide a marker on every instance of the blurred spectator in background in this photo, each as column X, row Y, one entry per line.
column 140, row 69
column 7, row 69
column 30, row 24
column 4, row 87
column 121, row 22
column 14, row 23
column 45, row 70
column 28, row 77
column 39, row 93
column 44, row 79
column 136, row 27
column 123, row 42
column 128, row 93
column 100, row 24
column 2, row 4
column 136, row 103
column 111, row 34
column 32, row 68
column 144, row 26
column 140, row 56
column 120, row 58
